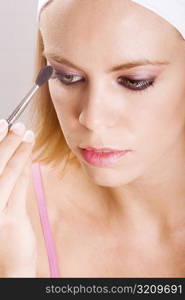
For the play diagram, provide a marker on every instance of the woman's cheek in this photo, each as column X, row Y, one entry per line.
column 57, row 93
column 65, row 107
column 62, row 98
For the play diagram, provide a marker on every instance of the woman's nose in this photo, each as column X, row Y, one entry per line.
column 98, row 112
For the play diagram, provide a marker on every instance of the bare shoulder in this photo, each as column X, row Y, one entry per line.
column 54, row 181
column 53, row 187
column 50, row 182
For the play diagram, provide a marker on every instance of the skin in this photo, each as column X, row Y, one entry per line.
column 148, row 183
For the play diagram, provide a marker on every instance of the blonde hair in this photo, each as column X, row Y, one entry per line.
column 50, row 145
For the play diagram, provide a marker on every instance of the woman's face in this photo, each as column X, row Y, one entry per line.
column 139, row 106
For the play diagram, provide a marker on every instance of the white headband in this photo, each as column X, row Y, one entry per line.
column 172, row 11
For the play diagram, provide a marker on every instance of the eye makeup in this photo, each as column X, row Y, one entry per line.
column 70, row 79
column 66, row 77
column 137, row 79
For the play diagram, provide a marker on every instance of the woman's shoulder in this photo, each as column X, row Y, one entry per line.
column 48, row 178
column 54, row 182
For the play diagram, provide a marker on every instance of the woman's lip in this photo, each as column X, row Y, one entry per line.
column 102, row 149
column 102, row 159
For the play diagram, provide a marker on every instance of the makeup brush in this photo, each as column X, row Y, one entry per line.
column 43, row 76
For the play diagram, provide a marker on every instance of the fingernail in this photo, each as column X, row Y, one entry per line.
column 29, row 136
column 18, row 128
column 3, row 125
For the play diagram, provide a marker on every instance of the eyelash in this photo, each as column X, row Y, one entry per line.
column 142, row 84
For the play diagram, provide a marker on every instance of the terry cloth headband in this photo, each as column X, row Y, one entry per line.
column 172, row 11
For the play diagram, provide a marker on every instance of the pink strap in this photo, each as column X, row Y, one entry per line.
column 37, row 178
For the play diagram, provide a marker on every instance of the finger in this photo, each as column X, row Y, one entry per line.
column 17, row 200
column 12, row 171
column 3, row 129
column 10, row 143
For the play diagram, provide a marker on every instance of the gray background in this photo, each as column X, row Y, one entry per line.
column 18, row 27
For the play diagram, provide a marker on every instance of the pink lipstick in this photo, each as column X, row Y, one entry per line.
column 102, row 157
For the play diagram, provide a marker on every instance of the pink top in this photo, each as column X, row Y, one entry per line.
column 39, row 190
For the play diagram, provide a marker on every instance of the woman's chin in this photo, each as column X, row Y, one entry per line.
column 108, row 177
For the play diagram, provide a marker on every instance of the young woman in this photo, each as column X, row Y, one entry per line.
column 118, row 84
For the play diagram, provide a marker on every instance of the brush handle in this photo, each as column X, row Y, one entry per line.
column 22, row 105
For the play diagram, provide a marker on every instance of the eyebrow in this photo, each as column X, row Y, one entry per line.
column 124, row 66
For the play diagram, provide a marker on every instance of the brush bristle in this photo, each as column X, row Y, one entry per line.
column 44, row 75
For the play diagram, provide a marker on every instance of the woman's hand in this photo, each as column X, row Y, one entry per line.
column 17, row 240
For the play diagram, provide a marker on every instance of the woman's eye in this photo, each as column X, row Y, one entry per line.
column 131, row 84
column 66, row 78
column 135, row 85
